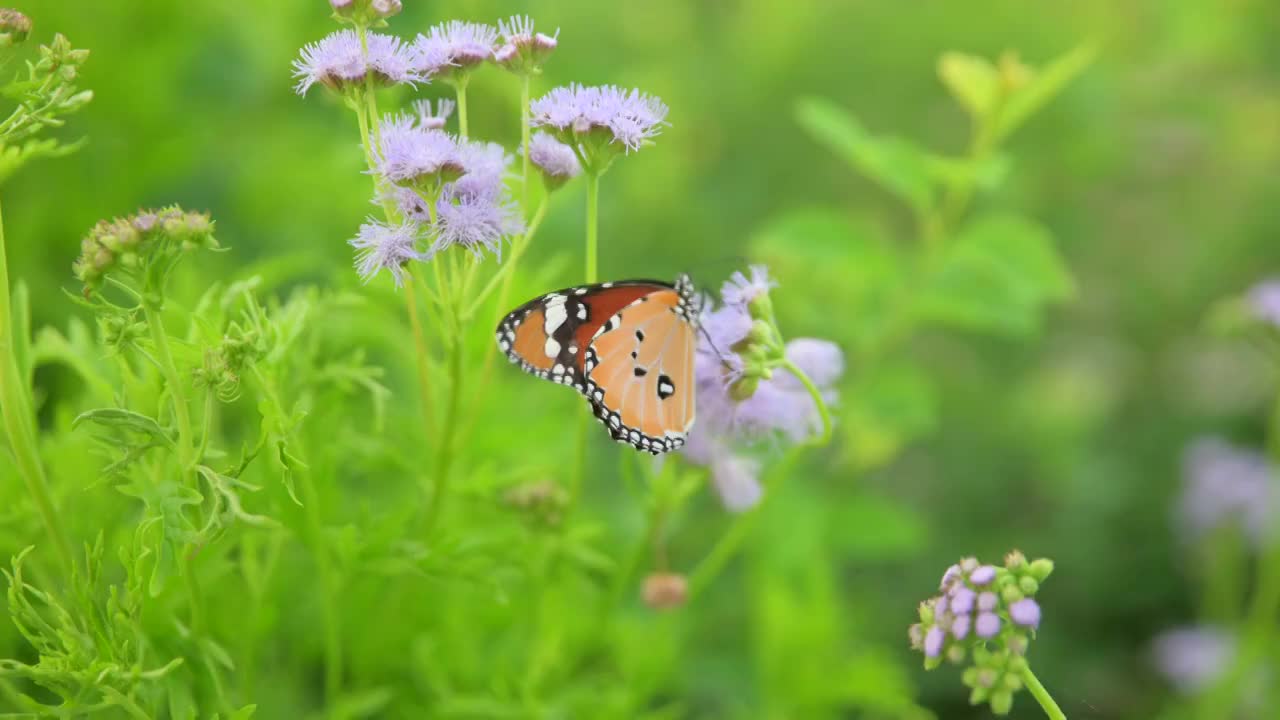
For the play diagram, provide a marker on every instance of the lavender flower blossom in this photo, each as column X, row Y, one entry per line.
column 556, row 162
column 385, row 247
column 523, row 50
column 1264, row 301
column 1224, row 483
column 1192, row 658
column 433, row 119
column 474, row 212
column 1025, row 612
column 338, row 62
column 987, row 625
column 411, row 154
column 453, row 49
column 629, row 118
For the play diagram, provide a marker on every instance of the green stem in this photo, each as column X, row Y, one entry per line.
column 461, row 91
column 524, row 139
column 164, row 358
column 420, row 352
column 1041, row 695
column 823, row 411
column 507, row 270
column 593, row 226
column 19, row 422
column 194, row 598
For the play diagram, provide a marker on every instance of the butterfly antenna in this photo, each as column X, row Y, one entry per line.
column 723, row 358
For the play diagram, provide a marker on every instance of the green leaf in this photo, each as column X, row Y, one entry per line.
column 886, row 408
column 126, row 420
column 973, row 81
column 840, row 263
column 895, row 163
column 996, row 276
column 20, row 316
column 1046, row 84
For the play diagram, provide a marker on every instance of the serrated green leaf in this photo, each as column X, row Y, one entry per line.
column 126, row 420
column 841, row 263
column 1045, row 85
column 995, row 276
column 897, row 164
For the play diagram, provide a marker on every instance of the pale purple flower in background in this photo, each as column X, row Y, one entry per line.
column 1223, row 483
column 408, row 153
column 1025, row 612
column 430, row 118
column 338, row 61
column 736, row 479
column 484, row 162
column 453, row 47
column 341, row 5
column 385, row 247
column 741, row 289
column 553, row 158
column 1192, row 657
column 782, row 404
column 630, row 117
column 1264, row 301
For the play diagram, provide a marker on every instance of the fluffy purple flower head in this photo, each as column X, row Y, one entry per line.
column 339, row 62
column 1223, row 483
column 987, row 601
column 430, row 118
column 962, row 599
column 474, row 212
column 407, row 200
column 555, row 161
column 983, row 575
column 742, row 290
column 1025, row 612
column 987, row 625
column 628, row 118
column 385, row 247
column 782, row 404
column 1192, row 658
column 523, row 49
column 454, row 48
column 960, row 626
column 409, row 154
column 1264, row 301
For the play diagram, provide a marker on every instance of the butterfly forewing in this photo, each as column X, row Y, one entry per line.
column 628, row 346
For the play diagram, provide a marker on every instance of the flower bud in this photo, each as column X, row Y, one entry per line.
column 925, row 610
column 1028, row 585
column 1011, row 594
column 1041, row 569
column 343, row 8
column 14, row 27
column 385, row 8
column 665, row 591
column 1015, row 561
column 1001, row 702
column 955, row 654
column 978, row 695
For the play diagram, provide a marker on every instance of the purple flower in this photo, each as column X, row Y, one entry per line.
column 407, row 200
column 960, row 626
column 987, row 625
column 987, row 602
column 338, row 61
column 983, row 575
column 474, row 212
column 741, row 290
column 629, row 118
column 523, row 50
column 950, row 576
column 782, row 403
column 933, row 640
column 409, row 154
column 555, row 160
column 385, row 247
column 1264, row 301
column 1192, row 657
column 386, row 8
column 736, row 480
column 454, row 47
column 1025, row 612
column 1224, row 483
column 433, row 119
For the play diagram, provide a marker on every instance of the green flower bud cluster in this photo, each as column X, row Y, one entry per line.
column 14, row 27
column 760, row 351
column 987, row 614
column 224, row 364
column 127, row 244
column 541, row 503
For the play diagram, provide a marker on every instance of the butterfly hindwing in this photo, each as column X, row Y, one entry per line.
column 628, row 346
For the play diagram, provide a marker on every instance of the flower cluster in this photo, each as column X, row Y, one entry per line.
column 126, row 243
column 599, row 121
column 988, row 613
column 523, row 50
column 1224, row 484
column 341, row 62
column 1192, row 658
column 748, row 389
column 555, row 161
column 14, row 27
column 452, row 50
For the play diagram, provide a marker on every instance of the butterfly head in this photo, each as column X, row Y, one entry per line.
column 690, row 298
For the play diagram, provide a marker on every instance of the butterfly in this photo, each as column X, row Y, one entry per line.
column 627, row 346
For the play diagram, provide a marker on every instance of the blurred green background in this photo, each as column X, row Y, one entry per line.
column 1155, row 171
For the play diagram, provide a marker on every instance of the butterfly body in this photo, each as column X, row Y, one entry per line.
column 627, row 346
